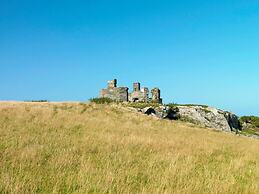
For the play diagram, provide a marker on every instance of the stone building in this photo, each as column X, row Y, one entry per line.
column 156, row 95
column 137, row 95
column 115, row 93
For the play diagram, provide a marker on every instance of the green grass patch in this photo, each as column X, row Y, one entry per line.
column 252, row 120
column 143, row 104
column 102, row 100
column 250, row 131
column 175, row 104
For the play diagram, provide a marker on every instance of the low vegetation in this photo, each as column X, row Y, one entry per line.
column 102, row 100
column 250, row 125
column 100, row 148
column 252, row 120
column 250, row 131
column 175, row 104
column 142, row 104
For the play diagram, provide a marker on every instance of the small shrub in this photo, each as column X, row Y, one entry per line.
column 143, row 104
column 175, row 104
column 101, row 100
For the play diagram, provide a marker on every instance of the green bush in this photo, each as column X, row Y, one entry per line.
column 253, row 120
column 101, row 100
column 143, row 104
column 175, row 104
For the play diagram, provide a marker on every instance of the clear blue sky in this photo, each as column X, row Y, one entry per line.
column 204, row 52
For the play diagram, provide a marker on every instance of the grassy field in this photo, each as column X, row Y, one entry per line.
column 89, row 148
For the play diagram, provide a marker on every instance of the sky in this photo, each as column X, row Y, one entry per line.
column 195, row 51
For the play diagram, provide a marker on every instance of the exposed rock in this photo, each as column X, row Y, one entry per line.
column 246, row 125
column 207, row 116
column 233, row 121
column 163, row 112
column 210, row 117
column 148, row 110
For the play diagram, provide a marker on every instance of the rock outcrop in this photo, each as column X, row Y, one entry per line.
column 210, row 117
column 203, row 115
column 162, row 112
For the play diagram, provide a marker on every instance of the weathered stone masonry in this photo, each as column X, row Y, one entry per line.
column 115, row 93
column 137, row 95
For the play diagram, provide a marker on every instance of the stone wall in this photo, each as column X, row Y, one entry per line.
column 139, row 95
column 156, row 95
column 118, row 93
column 136, row 86
column 112, row 83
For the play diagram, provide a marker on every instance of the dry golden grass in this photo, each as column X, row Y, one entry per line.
column 88, row 148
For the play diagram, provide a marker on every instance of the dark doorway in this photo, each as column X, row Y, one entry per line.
column 135, row 99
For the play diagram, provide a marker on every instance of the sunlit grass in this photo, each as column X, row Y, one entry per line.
column 89, row 148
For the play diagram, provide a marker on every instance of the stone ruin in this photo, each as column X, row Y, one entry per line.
column 137, row 95
column 203, row 115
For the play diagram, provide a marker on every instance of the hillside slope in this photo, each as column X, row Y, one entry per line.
column 89, row 148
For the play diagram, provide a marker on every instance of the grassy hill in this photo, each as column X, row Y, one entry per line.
column 89, row 148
